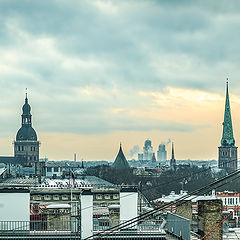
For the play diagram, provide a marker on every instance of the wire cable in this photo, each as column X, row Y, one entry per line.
column 151, row 212
column 220, row 222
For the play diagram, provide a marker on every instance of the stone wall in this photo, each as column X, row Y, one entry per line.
column 209, row 215
column 184, row 209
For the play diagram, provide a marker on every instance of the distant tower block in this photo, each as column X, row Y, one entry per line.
column 173, row 160
column 162, row 153
column 227, row 152
column 26, row 146
column 147, row 150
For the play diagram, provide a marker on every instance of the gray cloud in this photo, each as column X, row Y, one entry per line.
column 116, row 48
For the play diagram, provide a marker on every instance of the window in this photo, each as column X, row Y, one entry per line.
column 74, row 197
column 19, row 149
column 107, row 196
column 22, row 148
column 55, row 169
column 47, row 197
column 49, row 169
column 65, row 197
column 37, row 197
column 115, row 196
column 56, row 197
column 98, row 196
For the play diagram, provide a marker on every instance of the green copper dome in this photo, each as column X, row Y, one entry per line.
column 26, row 133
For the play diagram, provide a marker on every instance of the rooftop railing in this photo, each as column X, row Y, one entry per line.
column 70, row 229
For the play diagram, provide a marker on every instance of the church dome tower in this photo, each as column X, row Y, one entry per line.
column 26, row 146
column 26, row 132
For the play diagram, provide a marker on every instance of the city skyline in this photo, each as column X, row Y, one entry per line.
column 103, row 72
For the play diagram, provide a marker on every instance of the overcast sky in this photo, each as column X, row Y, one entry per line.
column 100, row 72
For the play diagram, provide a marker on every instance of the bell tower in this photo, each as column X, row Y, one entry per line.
column 227, row 152
column 26, row 145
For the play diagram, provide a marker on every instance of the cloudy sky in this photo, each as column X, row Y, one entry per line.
column 99, row 72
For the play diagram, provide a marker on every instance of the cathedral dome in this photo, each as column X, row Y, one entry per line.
column 26, row 133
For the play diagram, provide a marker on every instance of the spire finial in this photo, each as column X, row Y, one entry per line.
column 26, row 93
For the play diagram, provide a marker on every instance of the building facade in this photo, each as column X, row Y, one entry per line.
column 227, row 152
column 162, row 153
column 147, row 150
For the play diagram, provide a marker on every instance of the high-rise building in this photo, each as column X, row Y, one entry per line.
column 227, row 152
column 147, row 150
column 173, row 160
column 162, row 153
column 26, row 146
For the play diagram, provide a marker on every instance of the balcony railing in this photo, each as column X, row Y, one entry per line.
column 70, row 229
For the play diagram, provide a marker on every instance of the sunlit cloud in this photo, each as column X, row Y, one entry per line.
column 122, row 70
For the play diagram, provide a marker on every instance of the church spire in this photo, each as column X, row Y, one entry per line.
column 227, row 137
column 173, row 160
column 26, row 115
column 120, row 161
column 173, row 151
